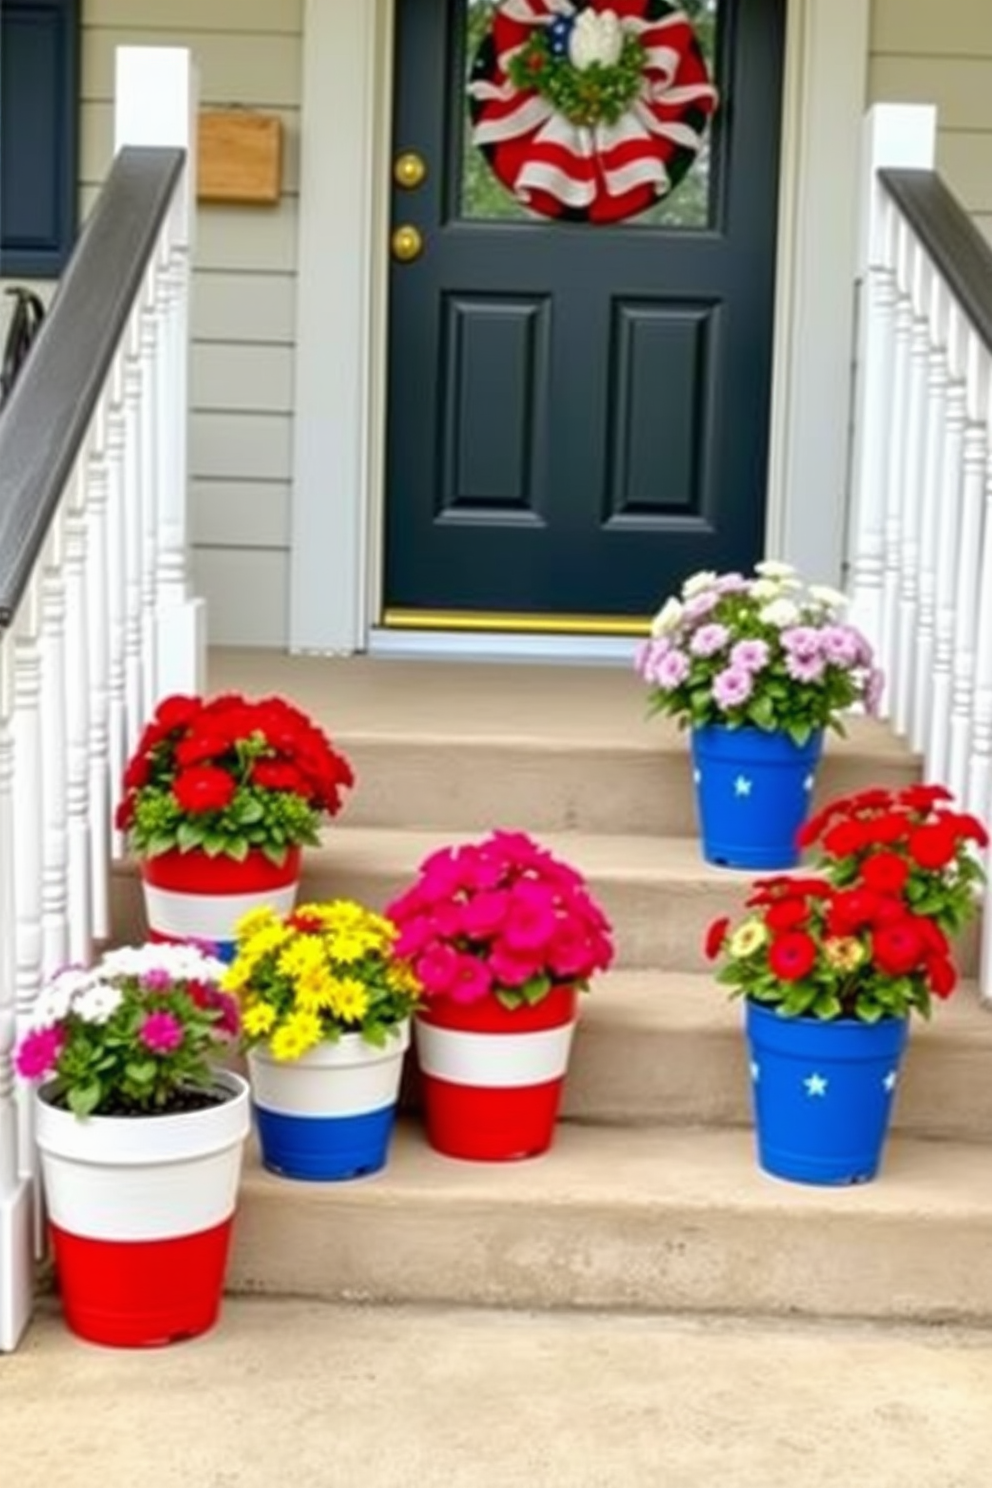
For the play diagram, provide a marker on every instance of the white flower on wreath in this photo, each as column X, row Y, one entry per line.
column 597, row 36
column 780, row 613
column 669, row 616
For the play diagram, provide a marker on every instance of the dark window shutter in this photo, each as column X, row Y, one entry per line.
column 39, row 126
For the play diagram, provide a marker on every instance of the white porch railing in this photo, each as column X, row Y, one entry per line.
column 920, row 540
column 95, row 618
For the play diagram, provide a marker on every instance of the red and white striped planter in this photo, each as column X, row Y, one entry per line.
column 190, row 896
column 140, row 1212
column 492, row 1077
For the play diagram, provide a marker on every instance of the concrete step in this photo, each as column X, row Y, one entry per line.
column 483, row 1398
column 661, row 1048
column 669, row 1219
column 658, row 892
column 452, row 746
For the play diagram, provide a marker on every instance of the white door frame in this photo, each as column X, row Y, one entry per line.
column 340, row 423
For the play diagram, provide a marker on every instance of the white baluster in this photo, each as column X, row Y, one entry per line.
column 118, row 739
column 16, row 1189
column 133, row 514
column 979, row 797
column 901, row 703
column 938, row 748
column 28, row 826
column 54, row 876
column 936, row 426
column 898, row 433
column 974, row 464
column 149, row 488
column 76, row 759
column 97, row 602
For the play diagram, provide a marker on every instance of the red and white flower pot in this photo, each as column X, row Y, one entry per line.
column 190, row 896
column 328, row 1115
column 140, row 1213
column 492, row 1077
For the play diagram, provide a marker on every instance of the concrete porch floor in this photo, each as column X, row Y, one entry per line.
column 352, row 1397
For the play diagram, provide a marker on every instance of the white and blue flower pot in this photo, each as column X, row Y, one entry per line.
column 328, row 1115
column 822, row 1093
column 753, row 792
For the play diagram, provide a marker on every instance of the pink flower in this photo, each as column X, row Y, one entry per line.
column 732, row 687
column 161, row 1032
column 473, row 980
column 436, row 970
column 802, row 641
column 750, row 656
column 671, row 670
column 701, row 604
column 511, row 970
column 874, row 689
column 531, row 920
column 572, row 953
column 841, row 644
column 709, row 639
column 229, row 1021
column 38, row 1052
column 484, row 915
column 803, row 668
column 156, row 980
column 415, row 935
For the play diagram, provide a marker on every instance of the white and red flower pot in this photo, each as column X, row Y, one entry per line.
column 190, row 896
column 328, row 1115
column 140, row 1213
column 492, row 1077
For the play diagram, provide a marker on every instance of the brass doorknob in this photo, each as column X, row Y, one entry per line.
column 407, row 243
column 409, row 170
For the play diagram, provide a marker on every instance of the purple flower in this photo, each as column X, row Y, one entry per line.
column 750, row 656
column 709, row 639
column 874, row 689
column 156, row 980
column 732, row 583
column 672, row 670
column 802, row 640
column 701, row 604
column 805, row 668
column 161, row 1033
column 651, row 657
column 731, row 687
column 38, row 1052
column 841, row 644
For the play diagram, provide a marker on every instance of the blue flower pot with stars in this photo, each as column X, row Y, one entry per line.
column 822, row 1093
column 753, row 791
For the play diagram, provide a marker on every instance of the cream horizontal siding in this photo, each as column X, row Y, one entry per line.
column 248, row 53
column 924, row 53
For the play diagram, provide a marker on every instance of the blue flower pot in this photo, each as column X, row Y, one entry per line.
column 822, row 1093
column 753, row 791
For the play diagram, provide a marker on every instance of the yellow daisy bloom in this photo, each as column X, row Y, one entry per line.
column 349, row 999
column 844, row 952
column 748, row 938
column 300, row 1032
column 258, row 1019
column 254, row 920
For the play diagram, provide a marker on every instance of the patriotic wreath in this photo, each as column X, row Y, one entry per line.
column 586, row 111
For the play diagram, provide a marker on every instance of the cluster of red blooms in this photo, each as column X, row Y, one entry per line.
column 205, row 751
column 898, row 875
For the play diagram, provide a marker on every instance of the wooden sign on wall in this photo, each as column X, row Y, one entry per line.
column 239, row 157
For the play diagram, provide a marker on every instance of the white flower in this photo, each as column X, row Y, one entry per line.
column 698, row 583
column 767, row 589
column 780, row 612
column 771, row 568
column 597, row 36
column 823, row 594
column 99, row 1003
column 668, row 617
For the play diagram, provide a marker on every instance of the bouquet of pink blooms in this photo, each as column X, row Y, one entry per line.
column 501, row 918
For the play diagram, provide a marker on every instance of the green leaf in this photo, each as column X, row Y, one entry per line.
column 84, row 1099
column 275, row 852
column 189, row 834
column 534, row 990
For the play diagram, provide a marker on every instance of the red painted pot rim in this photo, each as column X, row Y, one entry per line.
column 488, row 1015
column 194, row 872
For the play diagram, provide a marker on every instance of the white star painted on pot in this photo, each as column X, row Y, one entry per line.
column 890, row 1081
column 742, row 786
column 755, row 1071
column 808, row 784
column 815, row 1085
column 697, row 776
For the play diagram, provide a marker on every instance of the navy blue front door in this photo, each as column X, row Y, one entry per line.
column 577, row 412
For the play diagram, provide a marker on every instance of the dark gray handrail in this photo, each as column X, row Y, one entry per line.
column 43, row 425
column 951, row 238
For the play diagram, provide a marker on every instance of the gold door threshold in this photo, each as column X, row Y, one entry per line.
column 468, row 620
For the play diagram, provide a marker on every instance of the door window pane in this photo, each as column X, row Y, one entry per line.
column 484, row 198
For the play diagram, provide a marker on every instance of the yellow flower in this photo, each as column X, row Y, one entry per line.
column 748, row 938
column 844, row 952
column 300, row 1032
column 254, row 920
column 400, row 978
column 258, row 1019
column 350, row 945
column 250, row 952
column 302, row 957
column 315, row 992
column 349, row 999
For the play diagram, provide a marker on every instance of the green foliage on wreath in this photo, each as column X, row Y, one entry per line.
column 594, row 95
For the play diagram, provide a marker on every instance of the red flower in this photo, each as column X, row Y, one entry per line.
column 203, row 788
column 846, row 837
column 278, row 776
column 198, row 747
column 792, row 955
column 942, row 975
column 787, row 914
column 177, row 711
column 715, row 936
column 933, row 846
column 850, row 909
column 124, row 815
column 924, row 797
column 890, row 828
column 885, row 873
column 137, row 773
column 873, row 799
column 898, row 948
column 970, row 827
